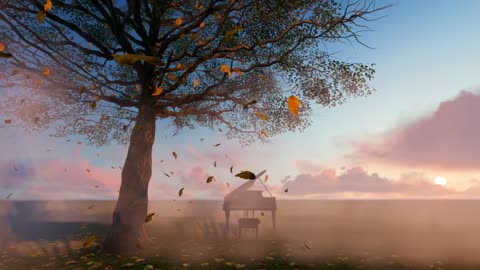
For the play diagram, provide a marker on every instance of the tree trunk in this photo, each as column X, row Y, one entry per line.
column 127, row 233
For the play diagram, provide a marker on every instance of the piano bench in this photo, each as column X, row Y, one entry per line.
column 248, row 223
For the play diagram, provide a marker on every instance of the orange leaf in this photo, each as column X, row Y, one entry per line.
column 226, row 69
column 46, row 72
column 174, row 155
column 237, row 70
column 48, row 5
column 262, row 116
column 264, row 133
column 202, row 24
column 178, row 21
column 2, row 47
column 266, row 178
column 180, row 192
column 179, row 66
column 195, row 82
column 293, row 104
column 158, row 91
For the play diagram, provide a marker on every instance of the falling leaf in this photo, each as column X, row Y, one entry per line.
column 266, row 178
column 202, row 24
column 286, row 190
column 202, row 139
column 180, row 192
column 149, row 217
column 174, row 155
column 2, row 46
column 178, row 21
column 246, row 105
column 48, row 6
column 262, row 116
column 93, row 105
column 264, row 133
column 237, row 70
column 5, row 55
column 90, row 241
column 41, row 15
column 215, row 164
column 246, row 175
column 87, row 170
column 161, row 161
column 215, row 145
column 293, row 104
column 306, row 245
column 231, row 169
column 158, row 91
column 195, row 82
column 9, row 195
column 130, row 59
column 226, row 69
column 166, row 174
column 220, row 130
column 210, row 179
column 8, row 121
column 171, row 77
column 91, row 206
column 262, row 214
column 179, row 66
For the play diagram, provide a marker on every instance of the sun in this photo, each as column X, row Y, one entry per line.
column 440, row 181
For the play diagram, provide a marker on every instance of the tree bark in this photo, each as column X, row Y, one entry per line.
column 127, row 233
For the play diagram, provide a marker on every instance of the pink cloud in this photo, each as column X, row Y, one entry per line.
column 447, row 139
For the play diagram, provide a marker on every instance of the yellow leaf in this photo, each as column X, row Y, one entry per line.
column 46, row 72
column 158, row 91
column 264, row 133
column 174, row 155
column 90, row 241
column 262, row 116
column 226, row 69
column 130, row 59
column 180, row 192
column 195, row 82
column 293, row 104
column 149, row 217
column 41, row 15
column 2, row 46
column 237, row 70
column 178, row 21
column 246, row 175
column 48, row 5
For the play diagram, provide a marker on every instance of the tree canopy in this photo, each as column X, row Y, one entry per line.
column 86, row 67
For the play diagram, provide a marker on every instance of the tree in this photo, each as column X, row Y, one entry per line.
column 109, row 69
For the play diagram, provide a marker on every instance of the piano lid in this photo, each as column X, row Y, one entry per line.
column 245, row 186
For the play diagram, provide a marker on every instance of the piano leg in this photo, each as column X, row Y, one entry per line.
column 274, row 220
column 227, row 219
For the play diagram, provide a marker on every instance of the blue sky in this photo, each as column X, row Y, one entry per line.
column 425, row 53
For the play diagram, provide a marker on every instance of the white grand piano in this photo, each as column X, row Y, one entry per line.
column 242, row 199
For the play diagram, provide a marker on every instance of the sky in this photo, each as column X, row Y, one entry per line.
column 419, row 124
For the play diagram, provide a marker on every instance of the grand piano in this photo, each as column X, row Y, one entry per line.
column 242, row 199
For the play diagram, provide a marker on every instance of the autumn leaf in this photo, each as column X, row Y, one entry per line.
column 48, row 6
column 41, row 15
column 166, row 174
column 87, row 170
column 180, row 192
column 306, row 245
column 262, row 214
column 91, row 207
column 215, row 164
column 178, row 21
column 148, row 218
column 218, row 144
column 158, row 91
column 197, row 5
column 9, row 195
column 226, row 69
column 5, row 55
column 90, row 241
column 179, row 66
column 8, row 121
column 246, row 175
column 174, row 155
column 210, row 179
column 2, row 46
column 231, row 169
column 202, row 24
column 93, row 105
column 293, row 104
column 195, row 82
column 286, row 190
column 237, row 70
column 266, row 178
column 264, row 133
column 262, row 116
column 130, row 59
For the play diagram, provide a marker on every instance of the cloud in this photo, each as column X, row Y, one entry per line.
column 357, row 182
column 448, row 139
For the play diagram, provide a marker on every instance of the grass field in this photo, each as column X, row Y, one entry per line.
column 192, row 235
